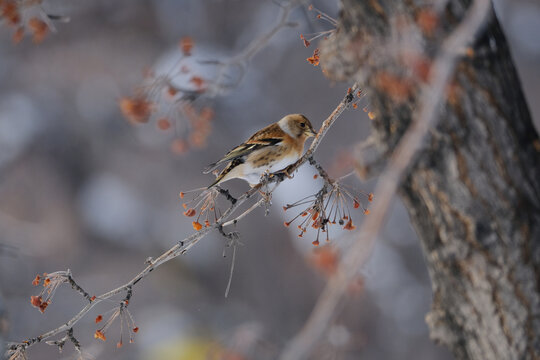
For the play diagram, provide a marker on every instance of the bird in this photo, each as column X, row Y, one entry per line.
column 271, row 149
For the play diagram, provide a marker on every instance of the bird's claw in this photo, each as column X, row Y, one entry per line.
column 288, row 171
column 267, row 196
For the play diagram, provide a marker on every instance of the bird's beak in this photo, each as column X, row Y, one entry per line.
column 310, row 133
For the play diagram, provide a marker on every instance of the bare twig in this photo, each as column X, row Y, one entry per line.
column 233, row 260
column 239, row 217
column 430, row 98
column 76, row 287
column 186, row 244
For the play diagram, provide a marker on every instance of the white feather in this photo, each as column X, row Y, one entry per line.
column 284, row 125
column 253, row 175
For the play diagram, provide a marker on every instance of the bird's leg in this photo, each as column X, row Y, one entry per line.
column 287, row 171
column 227, row 194
column 233, row 236
column 265, row 195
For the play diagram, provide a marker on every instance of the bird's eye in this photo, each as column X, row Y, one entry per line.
column 303, row 124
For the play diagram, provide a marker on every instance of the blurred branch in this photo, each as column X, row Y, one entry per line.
column 180, row 95
column 431, row 96
column 241, row 60
column 186, row 244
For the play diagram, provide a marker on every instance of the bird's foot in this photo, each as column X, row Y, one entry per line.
column 267, row 196
column 288, row 171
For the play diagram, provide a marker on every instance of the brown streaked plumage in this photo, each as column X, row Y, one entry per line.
column 272, row 149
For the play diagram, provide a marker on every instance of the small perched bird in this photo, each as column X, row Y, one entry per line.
column 270, row 149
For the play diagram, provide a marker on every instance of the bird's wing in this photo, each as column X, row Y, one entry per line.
column 269, row 136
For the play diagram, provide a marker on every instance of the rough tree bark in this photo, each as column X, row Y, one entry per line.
column 473, row 193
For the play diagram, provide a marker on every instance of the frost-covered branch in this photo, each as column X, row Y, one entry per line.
column 17, row 350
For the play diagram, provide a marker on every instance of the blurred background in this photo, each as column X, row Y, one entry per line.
column 84, row 189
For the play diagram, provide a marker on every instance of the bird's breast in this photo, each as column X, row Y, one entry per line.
column 273, row 158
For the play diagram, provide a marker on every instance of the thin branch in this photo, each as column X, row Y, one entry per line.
column 431, row 96
column 239, row 217
column 233, row 260
column 186, row 244
column 321, row 171
column 74, row 340
column 77, row 288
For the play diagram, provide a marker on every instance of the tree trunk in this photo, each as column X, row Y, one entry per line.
column 473, row 193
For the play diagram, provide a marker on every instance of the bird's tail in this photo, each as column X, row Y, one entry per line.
column 211, row 167
column 225, row 172
column 219, row 178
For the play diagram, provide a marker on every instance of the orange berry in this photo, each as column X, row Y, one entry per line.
column 35, row 301
column 186, row 45
column 136, row 110
column 179, row 146
column 36, row 280
column 171, row 90
column 38, row 28
column 163, row 124
column 18, row 35
column 197, row 225
column 349, row 226
column 99, row 335
column 197, row 81
column 43, row 306
column 314, row 59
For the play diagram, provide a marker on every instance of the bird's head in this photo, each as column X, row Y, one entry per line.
column 297, row 125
